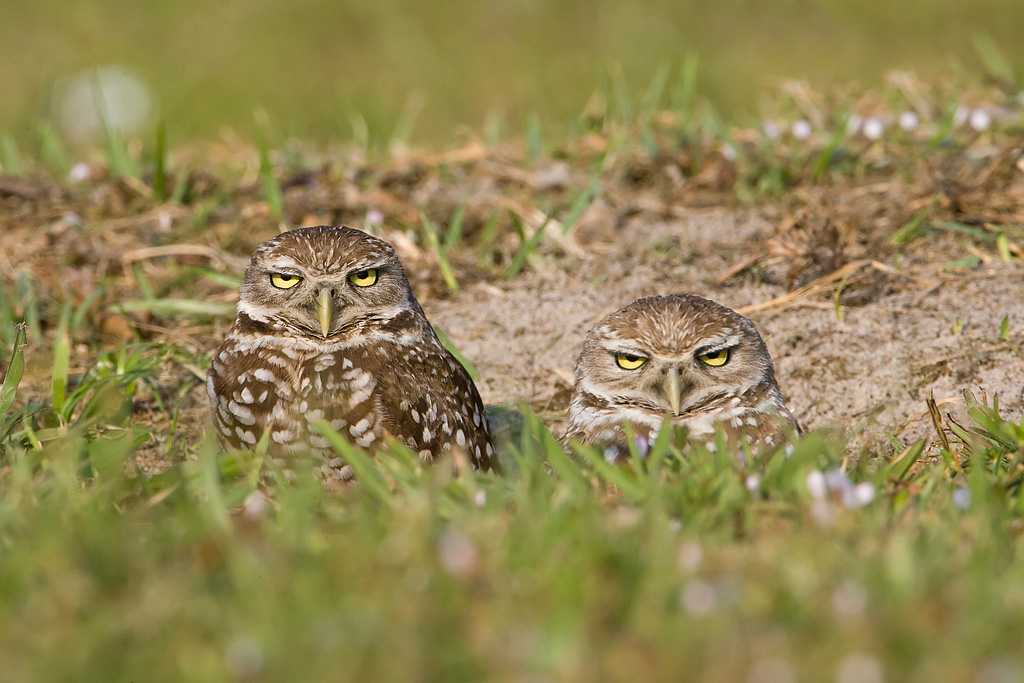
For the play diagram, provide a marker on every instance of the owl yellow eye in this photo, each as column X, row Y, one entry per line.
column 628, row 361
column 284, row 280
column 715, row 358
column 364, row 278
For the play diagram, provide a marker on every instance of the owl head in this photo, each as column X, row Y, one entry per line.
column 671, row 355
column 324, row 281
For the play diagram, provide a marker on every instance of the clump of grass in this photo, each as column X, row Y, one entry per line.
column 683, row 550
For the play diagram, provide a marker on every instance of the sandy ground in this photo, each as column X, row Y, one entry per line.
column 868, row 374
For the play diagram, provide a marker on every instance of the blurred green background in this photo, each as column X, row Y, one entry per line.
column 429, row 67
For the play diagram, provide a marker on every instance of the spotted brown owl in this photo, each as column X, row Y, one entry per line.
column 678, row 357
column 328, row 328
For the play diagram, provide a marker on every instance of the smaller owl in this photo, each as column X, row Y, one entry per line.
column 679, row 357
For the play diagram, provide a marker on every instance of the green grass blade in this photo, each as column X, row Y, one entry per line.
column 580, row 204
column 454, row 232
column 659, row 451
column 175, row 307
column 442, row 257
column 27, row 294
column 15, row 371
column 447, row 343
column 655, row 91
column 51, row 151
column 207, row 484
column 271, row 188
column 83, row 309
column 898, row 468
column 912, row 228
column 526, row 248
column 160, row 159
column 683, row 95
column 536, row 434
column 61, row 359
column 993, row 57
column 533, row 137
column 622, row 477
column 10, row 157
column 366, row 471
column 825, row 156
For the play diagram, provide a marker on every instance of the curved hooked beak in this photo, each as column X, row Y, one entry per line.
column 325, row 309
column 673, row 390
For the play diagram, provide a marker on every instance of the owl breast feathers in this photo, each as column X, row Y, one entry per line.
column 329, row 329
column 682, row 358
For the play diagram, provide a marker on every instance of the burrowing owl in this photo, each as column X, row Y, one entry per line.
column 680, row 357
column 328, row 328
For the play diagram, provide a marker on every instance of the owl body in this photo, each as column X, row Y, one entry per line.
column 328, row 329
column 682, row 358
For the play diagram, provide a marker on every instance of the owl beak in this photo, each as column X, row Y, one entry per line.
column 673, row 389
column 325, row 309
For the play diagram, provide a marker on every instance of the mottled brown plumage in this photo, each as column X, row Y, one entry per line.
column 681, row 357
column 328, row 328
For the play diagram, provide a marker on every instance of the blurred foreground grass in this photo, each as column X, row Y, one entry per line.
column 805, row 566
column 338, row 70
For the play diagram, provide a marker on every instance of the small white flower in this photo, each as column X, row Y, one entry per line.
column 79, row 172
column 816, row 484
column 772, row 670
column 908, row 121
column 980, row 120
column 698, row 597
column 457, row 553
column 244, row 656
column 771, row 129
column 73, row 219
column 823, row 513
column 849, row 599
column 729, row 152
column 853, row 124
column 374, row 217
column 689, row 556
column 998, row 671
column 874, row 127
column 860, row 668
column 624, row 517
column 836, row 480
column 962, row 498
column 753, row 483
column 858, row 496
column 802, row 129
column 255, row 505
column 480, row 498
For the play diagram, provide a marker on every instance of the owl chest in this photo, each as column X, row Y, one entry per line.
column 334, row 387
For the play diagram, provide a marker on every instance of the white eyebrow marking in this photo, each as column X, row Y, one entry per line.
column 282, row 262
